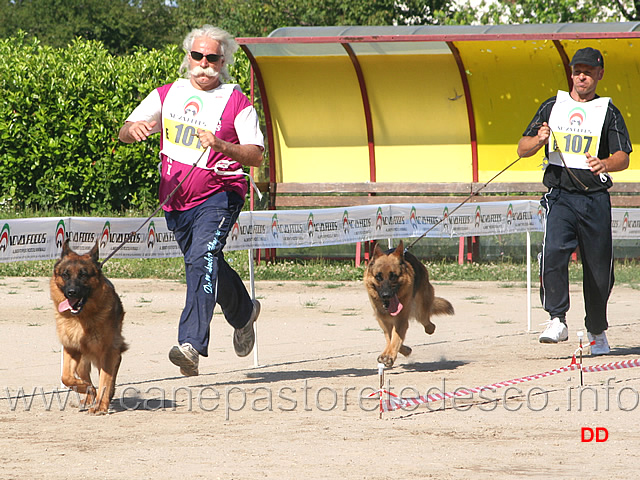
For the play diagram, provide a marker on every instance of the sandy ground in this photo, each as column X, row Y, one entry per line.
column 303, row 412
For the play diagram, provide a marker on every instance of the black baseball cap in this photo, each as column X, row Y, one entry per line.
column 588, row 56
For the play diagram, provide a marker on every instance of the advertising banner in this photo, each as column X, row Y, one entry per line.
column 42, row 238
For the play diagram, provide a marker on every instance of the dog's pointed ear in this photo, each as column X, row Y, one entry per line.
column 400, row 250
column 66, row 249
column 94, row 253
column 377, row 251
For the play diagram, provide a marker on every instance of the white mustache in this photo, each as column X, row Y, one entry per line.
column 209, row 72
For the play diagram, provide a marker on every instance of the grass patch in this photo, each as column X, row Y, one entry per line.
column 510, row 285
column 310, row 304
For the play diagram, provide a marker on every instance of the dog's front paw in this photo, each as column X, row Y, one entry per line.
column 386, row 360
column 98, row 411
column 430, row 328
column 89, row 401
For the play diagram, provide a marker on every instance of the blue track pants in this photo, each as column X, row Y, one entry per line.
column 201, row 233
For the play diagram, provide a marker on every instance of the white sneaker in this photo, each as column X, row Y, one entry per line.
column 601, row 347
column 555, row 332
column 186, row 357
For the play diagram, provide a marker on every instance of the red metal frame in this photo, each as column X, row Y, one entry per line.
column 470, row 115
column 269, row 253
column 565, row 62
column 441, row 38
column 264, row 97
column 370, row 137
column 367, row 110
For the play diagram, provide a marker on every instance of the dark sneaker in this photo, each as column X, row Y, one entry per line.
column 186, row 357
column 244, row 338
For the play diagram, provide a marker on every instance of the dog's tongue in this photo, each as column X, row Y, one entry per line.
column 394, row 306
column 64, row 306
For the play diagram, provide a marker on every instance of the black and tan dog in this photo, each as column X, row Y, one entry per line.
column 399, row 289
column 89, row 317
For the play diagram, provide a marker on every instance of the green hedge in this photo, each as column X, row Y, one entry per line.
column 60, row 112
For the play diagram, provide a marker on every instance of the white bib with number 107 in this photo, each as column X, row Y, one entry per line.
column 576, row 128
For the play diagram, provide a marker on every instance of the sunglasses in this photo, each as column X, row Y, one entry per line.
column 211, row 58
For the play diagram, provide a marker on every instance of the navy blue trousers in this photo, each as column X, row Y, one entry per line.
column 201, row 233
column 584, row 221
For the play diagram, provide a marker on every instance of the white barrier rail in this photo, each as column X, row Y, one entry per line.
column 42, row 238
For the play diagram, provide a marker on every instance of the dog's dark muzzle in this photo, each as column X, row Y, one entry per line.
column 74, row 301
column 389, row 297
column 386, row 293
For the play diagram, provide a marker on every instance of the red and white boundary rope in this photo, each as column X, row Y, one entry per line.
column 612, row 366
column 393, row 402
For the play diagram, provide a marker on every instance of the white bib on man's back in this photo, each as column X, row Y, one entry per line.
column 576, row 129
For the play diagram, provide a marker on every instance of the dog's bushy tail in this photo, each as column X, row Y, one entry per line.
column 441, row 306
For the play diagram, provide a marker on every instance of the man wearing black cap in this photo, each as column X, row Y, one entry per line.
column 588, row 139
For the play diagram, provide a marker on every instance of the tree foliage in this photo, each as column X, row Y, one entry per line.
column 552, row 11
column 120, row 25
column 629, row 10
column 533, row 11
column 249, row 18
column 59, row 144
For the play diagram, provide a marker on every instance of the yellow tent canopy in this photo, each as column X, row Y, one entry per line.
column 428, row 103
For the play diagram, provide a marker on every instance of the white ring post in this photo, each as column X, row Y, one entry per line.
column 381, row 377
column 580, row 335
column 253, row 296
column 62, row 385
column 528, row 281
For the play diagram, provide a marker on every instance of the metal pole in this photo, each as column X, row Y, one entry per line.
column 528, row 281
column 256, row 363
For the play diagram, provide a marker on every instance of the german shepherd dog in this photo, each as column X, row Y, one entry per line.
column 89, row 317
column 399, row 289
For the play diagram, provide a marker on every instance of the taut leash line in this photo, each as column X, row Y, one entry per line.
column 167, row 198
column 473, row 194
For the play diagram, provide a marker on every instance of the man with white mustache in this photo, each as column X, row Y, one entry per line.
column 210, row 130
